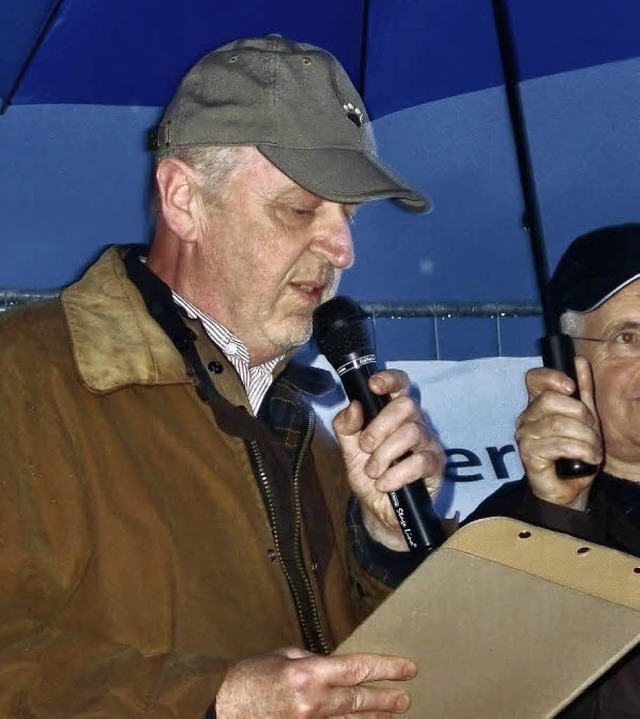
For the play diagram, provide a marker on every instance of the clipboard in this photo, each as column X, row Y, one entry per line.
column 507, row 620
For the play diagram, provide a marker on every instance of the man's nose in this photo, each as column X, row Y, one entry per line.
column 333, row 239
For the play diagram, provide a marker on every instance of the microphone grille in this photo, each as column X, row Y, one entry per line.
column 341, row 328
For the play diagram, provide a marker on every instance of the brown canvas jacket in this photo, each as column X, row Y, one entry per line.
column 136, row 555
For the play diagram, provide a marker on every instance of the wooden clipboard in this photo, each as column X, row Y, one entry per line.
column 507, row 620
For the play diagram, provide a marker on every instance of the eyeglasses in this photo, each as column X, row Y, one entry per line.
column 625, row 343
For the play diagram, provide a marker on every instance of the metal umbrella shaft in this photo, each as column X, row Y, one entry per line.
column 557, row 348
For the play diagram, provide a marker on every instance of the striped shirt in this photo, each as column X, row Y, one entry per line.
column 256, row 380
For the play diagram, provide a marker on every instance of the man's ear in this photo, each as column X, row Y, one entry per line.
column 179, row 198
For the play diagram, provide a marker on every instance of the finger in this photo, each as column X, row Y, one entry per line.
column 400, row 411
column 544, row 379
column 352, row 669
column 559, row 426
column 397, row 462
column 543, row 441
column 408, row 437
column 416, row 466
column 381, row 523
column 361, row 701
column 393, row 382
column 550, row 404
column 553, row 425
column 348, row 422
column 541, row 456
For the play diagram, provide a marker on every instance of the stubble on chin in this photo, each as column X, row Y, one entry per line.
column 300, row 335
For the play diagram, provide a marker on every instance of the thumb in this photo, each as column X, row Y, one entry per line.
column 348, row 421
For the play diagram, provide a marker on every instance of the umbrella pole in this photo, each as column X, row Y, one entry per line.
column 557, row 348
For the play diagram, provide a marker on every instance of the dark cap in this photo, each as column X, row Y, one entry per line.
column 296, row 104
column 594, row 267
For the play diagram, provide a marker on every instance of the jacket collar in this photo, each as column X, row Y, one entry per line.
column 116, row 343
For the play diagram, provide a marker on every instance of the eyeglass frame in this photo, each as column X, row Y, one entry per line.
column 611, row 342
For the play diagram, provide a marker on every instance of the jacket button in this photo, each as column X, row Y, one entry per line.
column 214, row 367
column 272, row 554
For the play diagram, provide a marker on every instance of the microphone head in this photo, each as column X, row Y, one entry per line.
column 341, row 328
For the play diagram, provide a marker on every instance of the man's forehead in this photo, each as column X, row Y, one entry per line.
column 257, row 170
column 266, row 180
column 623, row 305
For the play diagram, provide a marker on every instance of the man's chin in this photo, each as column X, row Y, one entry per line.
column 298, row 334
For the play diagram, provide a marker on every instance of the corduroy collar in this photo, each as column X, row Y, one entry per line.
column 116, row 343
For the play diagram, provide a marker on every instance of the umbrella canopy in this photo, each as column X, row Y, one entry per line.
column 81, row 82
column 133, row 52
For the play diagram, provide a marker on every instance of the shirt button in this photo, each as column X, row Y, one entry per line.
column 232, row 348
column 214, row 367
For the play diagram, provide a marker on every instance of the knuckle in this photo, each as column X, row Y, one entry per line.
column 356, row 671
column 355, row 700
column 545, row 399
column 429, row 461
column 407, row 404
column 415, row 431
column 297, row 676
column 586, row 416
column 533, row 377
column 439, row 459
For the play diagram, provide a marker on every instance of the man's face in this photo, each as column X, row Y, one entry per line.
column 272, row 252
column 616, row 374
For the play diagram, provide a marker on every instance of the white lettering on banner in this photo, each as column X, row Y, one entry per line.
column 473, row 406
column 495, row 455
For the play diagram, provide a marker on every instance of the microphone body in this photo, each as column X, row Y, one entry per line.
column 341, row 331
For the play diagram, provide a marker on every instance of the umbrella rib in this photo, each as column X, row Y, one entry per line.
column 46, row 25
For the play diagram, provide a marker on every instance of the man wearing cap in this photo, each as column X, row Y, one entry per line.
column 172, row 523
column 596, row 291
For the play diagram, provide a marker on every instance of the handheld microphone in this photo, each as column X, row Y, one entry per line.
column 340, row 328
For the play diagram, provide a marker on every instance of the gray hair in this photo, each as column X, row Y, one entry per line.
column 213, row 165
column 572, row 323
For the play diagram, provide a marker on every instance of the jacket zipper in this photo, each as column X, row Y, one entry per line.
column 316, row 640
column 324, row 644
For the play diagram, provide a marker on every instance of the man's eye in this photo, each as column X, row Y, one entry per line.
column 628, row 337
column 295, row 215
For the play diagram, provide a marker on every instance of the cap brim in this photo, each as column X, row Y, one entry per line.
column 343, row 175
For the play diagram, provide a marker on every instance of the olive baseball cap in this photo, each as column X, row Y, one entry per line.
column 594, row 267
column 296, row 104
